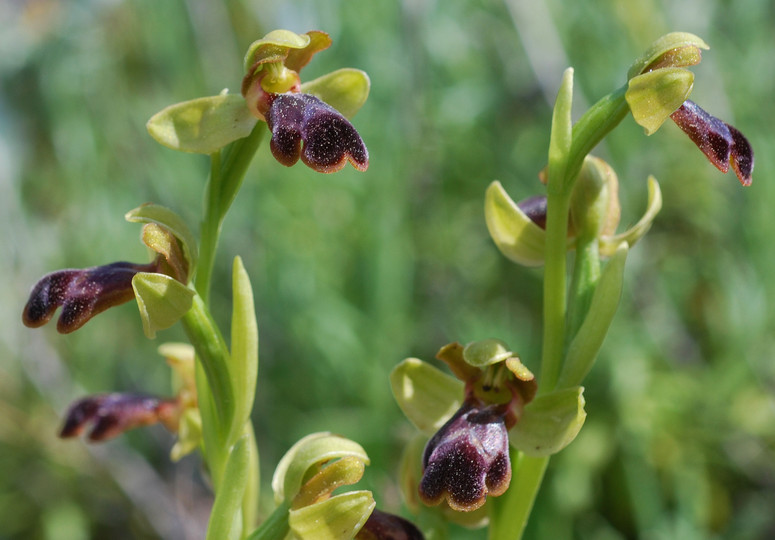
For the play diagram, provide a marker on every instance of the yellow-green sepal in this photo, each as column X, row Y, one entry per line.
column 655, row 95
column 676, row 49
column 609, row 244
column 203, row 125
column 337, row 518
column 513, row 232
column 426, row 395
column 346, row 89
column 162, row 301
column 550, row 422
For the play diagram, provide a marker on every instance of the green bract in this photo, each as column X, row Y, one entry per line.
column 550, row 422
column 426, row 395
column 202, row 125
column 162, row 301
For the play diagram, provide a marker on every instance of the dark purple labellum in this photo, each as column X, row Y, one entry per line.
column 467, row 459
column 535, row 208
column 113, row 414
column 81, row 293
column 330, row 140
column 384, row 526
column 721, row 143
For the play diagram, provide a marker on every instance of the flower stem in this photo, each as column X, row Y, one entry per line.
column 512, row 510
column 275, row 527
column 586, row 274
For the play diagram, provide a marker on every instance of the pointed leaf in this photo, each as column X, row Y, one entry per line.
column 203, row 125
column 584, row 347
column 345, row 89
column 162, row 301
column 515, row 234
column 228, row 497
column 244, row 347
column 338, row 518
column 561, row 136
column 549, row 423
column 427, row 396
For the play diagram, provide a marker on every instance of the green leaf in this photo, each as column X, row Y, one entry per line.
column 561, row 136
column 305, row 457
column 584, row 347
column 338, row 518
column 655, row 95
column 346, row 89
column 550, row 422
column 161, row 215
column 202, row 125
column 427, row 396
column 244, row 347
column 681, row 49
column 162, row 301
column 515, row 234
column 228, row 497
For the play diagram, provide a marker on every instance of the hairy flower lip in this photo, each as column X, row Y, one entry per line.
column 721, row 143
column 329, row 139
column 113, row 414
column 82, row 294
column 467, row 459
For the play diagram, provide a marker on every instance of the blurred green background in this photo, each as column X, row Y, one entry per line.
column 355, row 271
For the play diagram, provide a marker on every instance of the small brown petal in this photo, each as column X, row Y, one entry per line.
column 113, row 414
column 330, row 140
column 81, row 293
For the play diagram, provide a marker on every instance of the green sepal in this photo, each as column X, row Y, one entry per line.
column 161, row 215
column 346, row 89
column 584, row 347
column 338, row 518
column 486, row 352
column 162, row 301
column 655, row 95
column 305, row 458
column 426, row 395
column 549, row 423
column 243, row 368
column 189, row 434
column 224, row 518
column 513, row 232
column 202, row 125
column 676, row 49
column 609, row 244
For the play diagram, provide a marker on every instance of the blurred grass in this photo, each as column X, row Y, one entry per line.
column 353, row 272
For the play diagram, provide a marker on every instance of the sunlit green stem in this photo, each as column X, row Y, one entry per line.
column 275, row 527
column 511, row 511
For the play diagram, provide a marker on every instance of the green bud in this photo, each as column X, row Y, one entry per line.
column 162, row 301
column 202, row 125
column 655, row 95
column 550, row 422
column 594, row 204
column 426, row 395
column 677, row 49
column 346, row 89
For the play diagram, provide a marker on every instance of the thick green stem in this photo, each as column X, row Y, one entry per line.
column 511, row 511
column 275, row 527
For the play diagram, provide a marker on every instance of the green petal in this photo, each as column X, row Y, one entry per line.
column 282, row 39
column 345, row 89
column 338, row 518
column 486, row 352
column 426, row 395
column 655, row 95
column 243, row 361
column 305, row 457
column 515, row 234
column 162, row 301
column 161, row 215
column 681, row 48
column 203, row 125
column 189, row 434
column 549, row 423
column 609, row 245
column 584, row 347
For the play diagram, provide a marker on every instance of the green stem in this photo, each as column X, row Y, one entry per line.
column 586, row 273
column 275, row 527
column 511, row 510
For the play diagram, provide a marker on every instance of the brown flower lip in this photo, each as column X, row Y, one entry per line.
column 330, row 140
column 113, row 414
column 384, row 526
column 82, row 294
column 467, row 459
column 721, row 143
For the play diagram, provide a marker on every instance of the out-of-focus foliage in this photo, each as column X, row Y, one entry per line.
column 353, row 272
